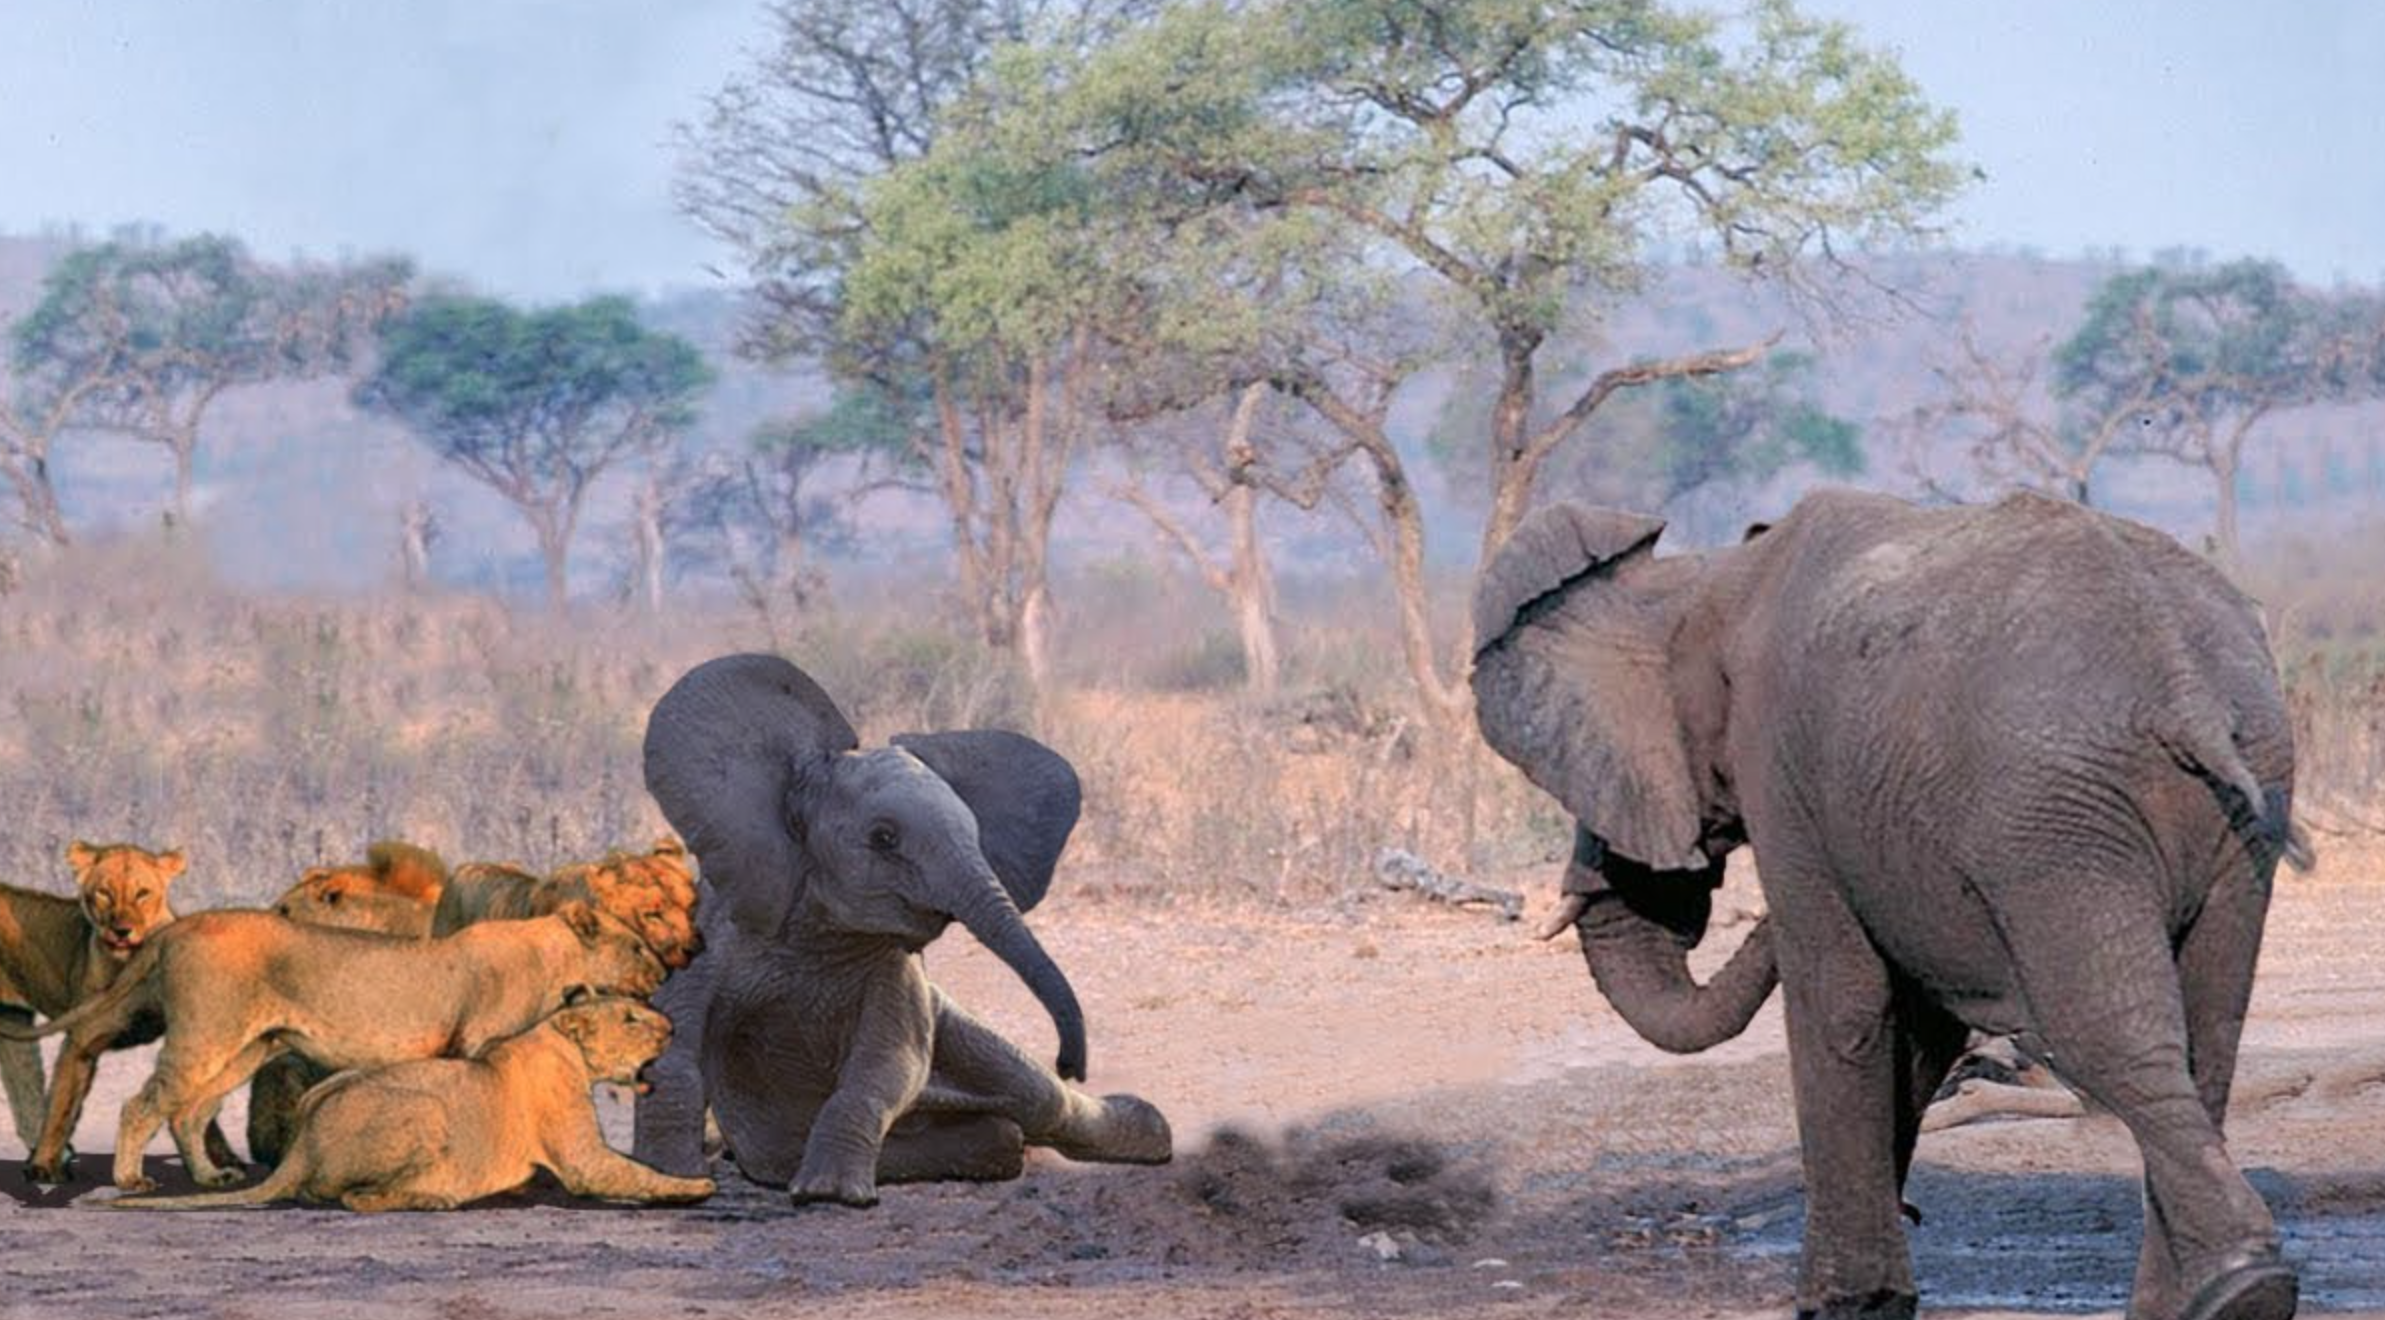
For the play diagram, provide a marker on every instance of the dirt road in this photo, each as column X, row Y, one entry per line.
column 1383, row 1109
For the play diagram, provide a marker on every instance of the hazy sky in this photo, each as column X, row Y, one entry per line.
column 524, row 144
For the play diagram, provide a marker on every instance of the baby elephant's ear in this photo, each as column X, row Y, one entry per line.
column 1024, row 794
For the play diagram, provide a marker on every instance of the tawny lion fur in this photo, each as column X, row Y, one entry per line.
column 437, row 1133
column 237, row 987
column 58, row 952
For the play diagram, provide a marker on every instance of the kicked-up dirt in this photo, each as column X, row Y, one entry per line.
column 1386, row 1108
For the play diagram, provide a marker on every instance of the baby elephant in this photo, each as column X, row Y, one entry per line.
column 436, row 1133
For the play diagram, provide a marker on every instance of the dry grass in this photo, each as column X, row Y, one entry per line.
column 146, row 702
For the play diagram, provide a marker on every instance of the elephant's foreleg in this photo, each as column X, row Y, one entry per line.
column 2104, row 990
column 884, row 1070
column 1845, row 1052
column 668, row 1131
column 1928, row 1041
column 972, row 1059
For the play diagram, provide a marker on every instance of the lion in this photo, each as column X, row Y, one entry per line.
column 654, row 892
column 56, row 953
column 239, row 987
column 406, row 890
column 434, row 1134
column 394, row 892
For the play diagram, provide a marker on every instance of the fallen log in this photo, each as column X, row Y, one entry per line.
column 1398, row 868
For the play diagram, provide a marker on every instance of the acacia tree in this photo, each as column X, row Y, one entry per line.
column 2016, row 430
column 795, row 162
column 764, row 513
column 1523, row 162
column 153, row 334
column 535, row 405
column 2199, row 358
column 49, row 386
column 1687, row 437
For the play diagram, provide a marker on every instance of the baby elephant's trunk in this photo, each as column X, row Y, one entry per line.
column 994, row 920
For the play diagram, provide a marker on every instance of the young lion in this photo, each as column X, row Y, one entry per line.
column 436, row 1133
column 237, row 988
column 57, row 952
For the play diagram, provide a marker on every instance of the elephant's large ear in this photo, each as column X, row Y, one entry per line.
column 1024, row 794
column 726, row 750
column 1570, row 680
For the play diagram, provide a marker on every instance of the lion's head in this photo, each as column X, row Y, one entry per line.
column 618, row 1037
column 653, row 892
column 123, row 891
column 393, row 892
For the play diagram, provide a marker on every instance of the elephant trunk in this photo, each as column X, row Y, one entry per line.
column 994, row 920
column 1637, row 928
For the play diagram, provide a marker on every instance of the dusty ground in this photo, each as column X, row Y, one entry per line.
column 1383, row 1068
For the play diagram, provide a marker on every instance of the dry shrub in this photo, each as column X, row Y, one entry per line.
column 2325, row 605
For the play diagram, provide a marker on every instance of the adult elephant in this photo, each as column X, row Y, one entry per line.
column 808, row 1023
column 2023, row 768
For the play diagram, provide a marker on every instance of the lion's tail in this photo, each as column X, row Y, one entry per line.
column 280, row 1185
column 114, row 1006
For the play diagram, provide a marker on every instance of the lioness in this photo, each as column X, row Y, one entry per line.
column 436, row 1133
column 394, row 892
column 406, row 890
column 238, row 987
column 57, row 952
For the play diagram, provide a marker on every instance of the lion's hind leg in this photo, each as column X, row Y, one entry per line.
column 193, row 1120
column 20, row 1074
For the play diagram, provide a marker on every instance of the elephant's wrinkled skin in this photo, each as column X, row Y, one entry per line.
column 808, row 1024
column 2021, row 768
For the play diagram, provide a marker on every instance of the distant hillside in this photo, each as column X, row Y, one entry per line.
column 297, row 489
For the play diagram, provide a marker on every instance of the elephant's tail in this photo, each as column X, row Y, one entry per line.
column 2263, row 816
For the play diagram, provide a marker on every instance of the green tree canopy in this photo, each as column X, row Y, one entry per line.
column 536, row 405
column 1519, row 162
column 141, row 338
column 2198, row 356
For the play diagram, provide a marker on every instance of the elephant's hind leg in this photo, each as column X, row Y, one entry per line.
column 929, row 1147
column 2105, row 993
column 1119, row 1129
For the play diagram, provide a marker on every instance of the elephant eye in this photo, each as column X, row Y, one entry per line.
column 884, row 837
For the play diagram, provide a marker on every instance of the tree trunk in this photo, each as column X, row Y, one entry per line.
column 646, row 528
column 37, row 498
column 1513, row 462
column 185, row 448
column 416, row 529
column 2223, row 475
column 1251, row 591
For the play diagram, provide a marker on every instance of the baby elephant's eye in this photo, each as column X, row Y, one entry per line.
column 884, row 837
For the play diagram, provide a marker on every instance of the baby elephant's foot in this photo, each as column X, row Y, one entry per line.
column 1131, row 1131
column 860, row 1193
